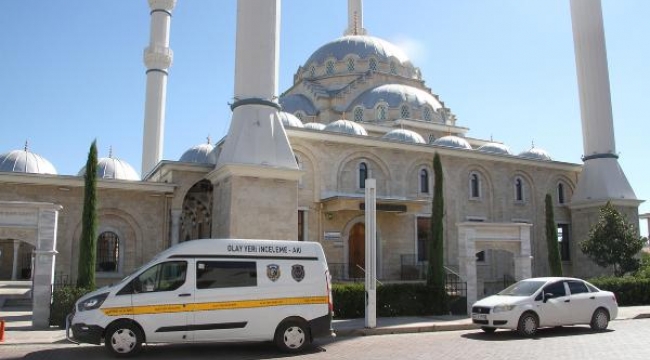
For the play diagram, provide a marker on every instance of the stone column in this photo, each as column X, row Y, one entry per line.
column 45, row 256
column 14, row 269
column 176, row 226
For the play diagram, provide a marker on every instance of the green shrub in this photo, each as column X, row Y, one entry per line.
column 629, row 290
column 393, row 300
column 63, row 300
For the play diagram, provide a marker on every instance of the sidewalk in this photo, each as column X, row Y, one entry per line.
column 19, row 330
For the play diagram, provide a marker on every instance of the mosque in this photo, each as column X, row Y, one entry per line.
column 295, row 167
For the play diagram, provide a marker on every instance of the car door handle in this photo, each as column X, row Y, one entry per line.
column 184, row 295
column 592, row 298
column 567, row 300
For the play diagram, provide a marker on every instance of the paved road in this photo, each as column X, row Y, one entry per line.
column 626, row 339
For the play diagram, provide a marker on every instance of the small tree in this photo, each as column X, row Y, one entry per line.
column 88, row 242
column 613, row 242
column 436, row 273
column 554, row 262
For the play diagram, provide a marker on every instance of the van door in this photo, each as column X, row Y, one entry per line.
column 223, row 307
column 161, row 299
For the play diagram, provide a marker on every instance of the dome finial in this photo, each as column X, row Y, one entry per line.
column 209, row 140
column 355, row 18
column 532, row 144
column 110, row 152
column 26, row 145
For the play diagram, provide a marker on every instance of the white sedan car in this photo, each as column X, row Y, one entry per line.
column 542, row 302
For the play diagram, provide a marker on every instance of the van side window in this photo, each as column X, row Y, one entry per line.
column 165, row 276
column 225, row 274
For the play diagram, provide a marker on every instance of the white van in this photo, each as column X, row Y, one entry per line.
column 213, row 290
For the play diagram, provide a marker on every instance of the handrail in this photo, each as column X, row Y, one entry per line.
column 364, row 271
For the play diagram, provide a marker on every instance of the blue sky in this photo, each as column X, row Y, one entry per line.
column 71, row 71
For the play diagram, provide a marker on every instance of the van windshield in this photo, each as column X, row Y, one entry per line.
column 522, row 288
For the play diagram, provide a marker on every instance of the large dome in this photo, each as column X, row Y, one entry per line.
column 406, row 136
column 395, row 95
column 361, row 45
column 202, row 154
column 25, row 161
column 113, row 169
column 345, row 127
column 314, row 126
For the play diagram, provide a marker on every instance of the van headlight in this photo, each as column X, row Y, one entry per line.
column 503, row 308
column 92, row 303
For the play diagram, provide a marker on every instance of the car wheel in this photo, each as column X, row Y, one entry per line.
column 599, row 320
column 292, row 336
column 488, row 329
column 124, row 339
column 528, row 324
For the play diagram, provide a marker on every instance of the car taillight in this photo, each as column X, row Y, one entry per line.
column 330, row 301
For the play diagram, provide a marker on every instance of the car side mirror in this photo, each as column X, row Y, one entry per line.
column 548, row 296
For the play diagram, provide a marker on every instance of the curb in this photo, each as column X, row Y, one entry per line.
column 404, row 329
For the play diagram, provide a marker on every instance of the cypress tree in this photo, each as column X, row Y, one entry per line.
column 88, row 242
column 436, row 273
column 554, row 262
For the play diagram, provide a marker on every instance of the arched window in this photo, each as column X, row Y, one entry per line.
column 426, row 113
column 108, row 252
column 363, row 175
column 329, row 67
column 474, row 186
column 300, row 115
column 519, row 189
column 424, row 181
column 372, row 64
column 358, row 114
column 405, row 112
column 312, row 71
column 560, row 193
column 382, row 112
column 393, row 68
column 350, row 64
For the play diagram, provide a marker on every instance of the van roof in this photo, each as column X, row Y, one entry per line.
column 246, row 248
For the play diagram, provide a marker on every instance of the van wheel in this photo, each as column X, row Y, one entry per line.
column 292, row 336
column 124, row 339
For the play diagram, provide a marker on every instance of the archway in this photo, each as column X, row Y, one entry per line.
column 34, row 223
column 474, row 237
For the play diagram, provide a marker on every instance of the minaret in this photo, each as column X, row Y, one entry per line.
column 602, row 178
column 256, row 178
column 157, row 59
column 355, row 18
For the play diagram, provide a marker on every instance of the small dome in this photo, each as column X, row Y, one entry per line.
column 402, row 135
column 453, row 141
column 536, row 153
column 314, row 126
column 202, row 154
column 113, row 169
column 345, row 127
column 495, row 148
column 290, row 120
column 25, row 161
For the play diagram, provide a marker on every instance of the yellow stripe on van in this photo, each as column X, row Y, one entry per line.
column 209, row 306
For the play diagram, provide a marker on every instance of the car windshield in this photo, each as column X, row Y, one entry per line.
column 522, row 288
